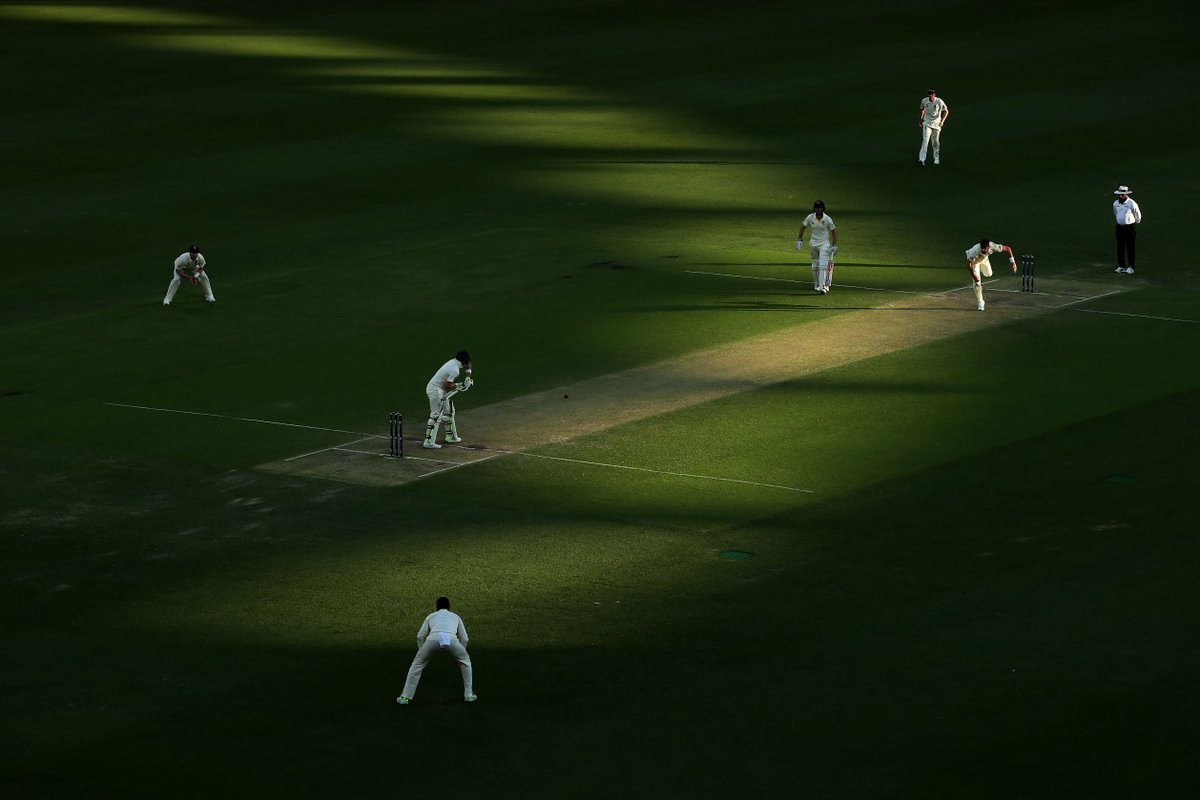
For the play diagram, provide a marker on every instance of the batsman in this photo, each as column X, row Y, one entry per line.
column 441, row 390
column 822, row 245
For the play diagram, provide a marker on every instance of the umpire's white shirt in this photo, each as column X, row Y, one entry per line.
column 443, row 621
column 1128, row 212
column 820, row 229
column 448, row 372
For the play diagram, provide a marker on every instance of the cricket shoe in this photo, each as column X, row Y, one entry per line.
column 1119, row 269
column 1129, row 271
column 453, row 439
column 166, row 302
column 980, row 306
column 469, row 698
column 402, row 700
column 428, row 445
column 922, row 163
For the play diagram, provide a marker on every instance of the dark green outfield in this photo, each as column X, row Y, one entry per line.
column 987, row 590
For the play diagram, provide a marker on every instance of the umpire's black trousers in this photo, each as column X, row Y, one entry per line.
column 1126, row 245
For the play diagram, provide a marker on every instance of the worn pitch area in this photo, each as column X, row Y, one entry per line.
column 535, row 420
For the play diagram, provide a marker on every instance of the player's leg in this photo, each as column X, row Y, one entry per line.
column 172, row 288
column 925, row 131
column 435, row 420
column 451, row 424
column 823, row 268
column 418, row 666
column 206, row 286
column 815, row 253
column 977, row 286
column 935, row 139
column 464, row 665
column 1131, row 246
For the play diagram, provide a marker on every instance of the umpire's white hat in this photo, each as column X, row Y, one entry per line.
column 1123, row 190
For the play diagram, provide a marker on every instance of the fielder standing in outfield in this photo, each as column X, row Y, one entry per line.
column 931, row 116
column 189, row 265
column 441, row 390
column 441, row 632
column 977, row 263
column 822, row 245
column 1128, row 216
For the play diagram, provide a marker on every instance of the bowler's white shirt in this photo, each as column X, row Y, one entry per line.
column 932, row 111
column 448, row 372
column 820, row 229
column 1128, row 212
column 975, row 257
column 185, row 262
column 443, row 621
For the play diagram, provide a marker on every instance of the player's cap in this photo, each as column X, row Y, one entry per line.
column 818, row 204
column 193, row 249
column 931, row 91
column 1123, row 190
column 463, row 356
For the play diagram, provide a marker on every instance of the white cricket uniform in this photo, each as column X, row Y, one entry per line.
column 979, row 260
column 819, row 242
column 194, row 268
column 932, row 112
column 980, row 265
column 442, row 631
column 447, row 372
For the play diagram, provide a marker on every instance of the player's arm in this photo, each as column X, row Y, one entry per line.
column 945, row 113
column 183, row 274
column 1012, row 260
column 800, row 237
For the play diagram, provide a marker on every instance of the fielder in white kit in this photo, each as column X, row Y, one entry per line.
column 931, row 116
column 189, row 265
column 442, row 631
column 978, row 264
column 441, row 390
column 822, row 245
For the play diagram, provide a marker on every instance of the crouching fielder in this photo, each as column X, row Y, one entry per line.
column 190, row 267
column 978, row 264
column 441, row 632
column 822, row 245
column 441, row 390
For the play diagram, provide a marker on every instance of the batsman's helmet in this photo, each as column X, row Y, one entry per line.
column 463, row 356
column 443, row 602
column 819, row 204
column 193, row 250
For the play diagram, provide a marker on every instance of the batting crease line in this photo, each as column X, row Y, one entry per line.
column 648, row 469
column 1078, row 298
column 245, row 419
column 1138, row 316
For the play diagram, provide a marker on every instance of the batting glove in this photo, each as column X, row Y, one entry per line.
column 799, row 244
column 833, row 251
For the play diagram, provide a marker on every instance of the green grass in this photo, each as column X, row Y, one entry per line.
column 983, row 590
